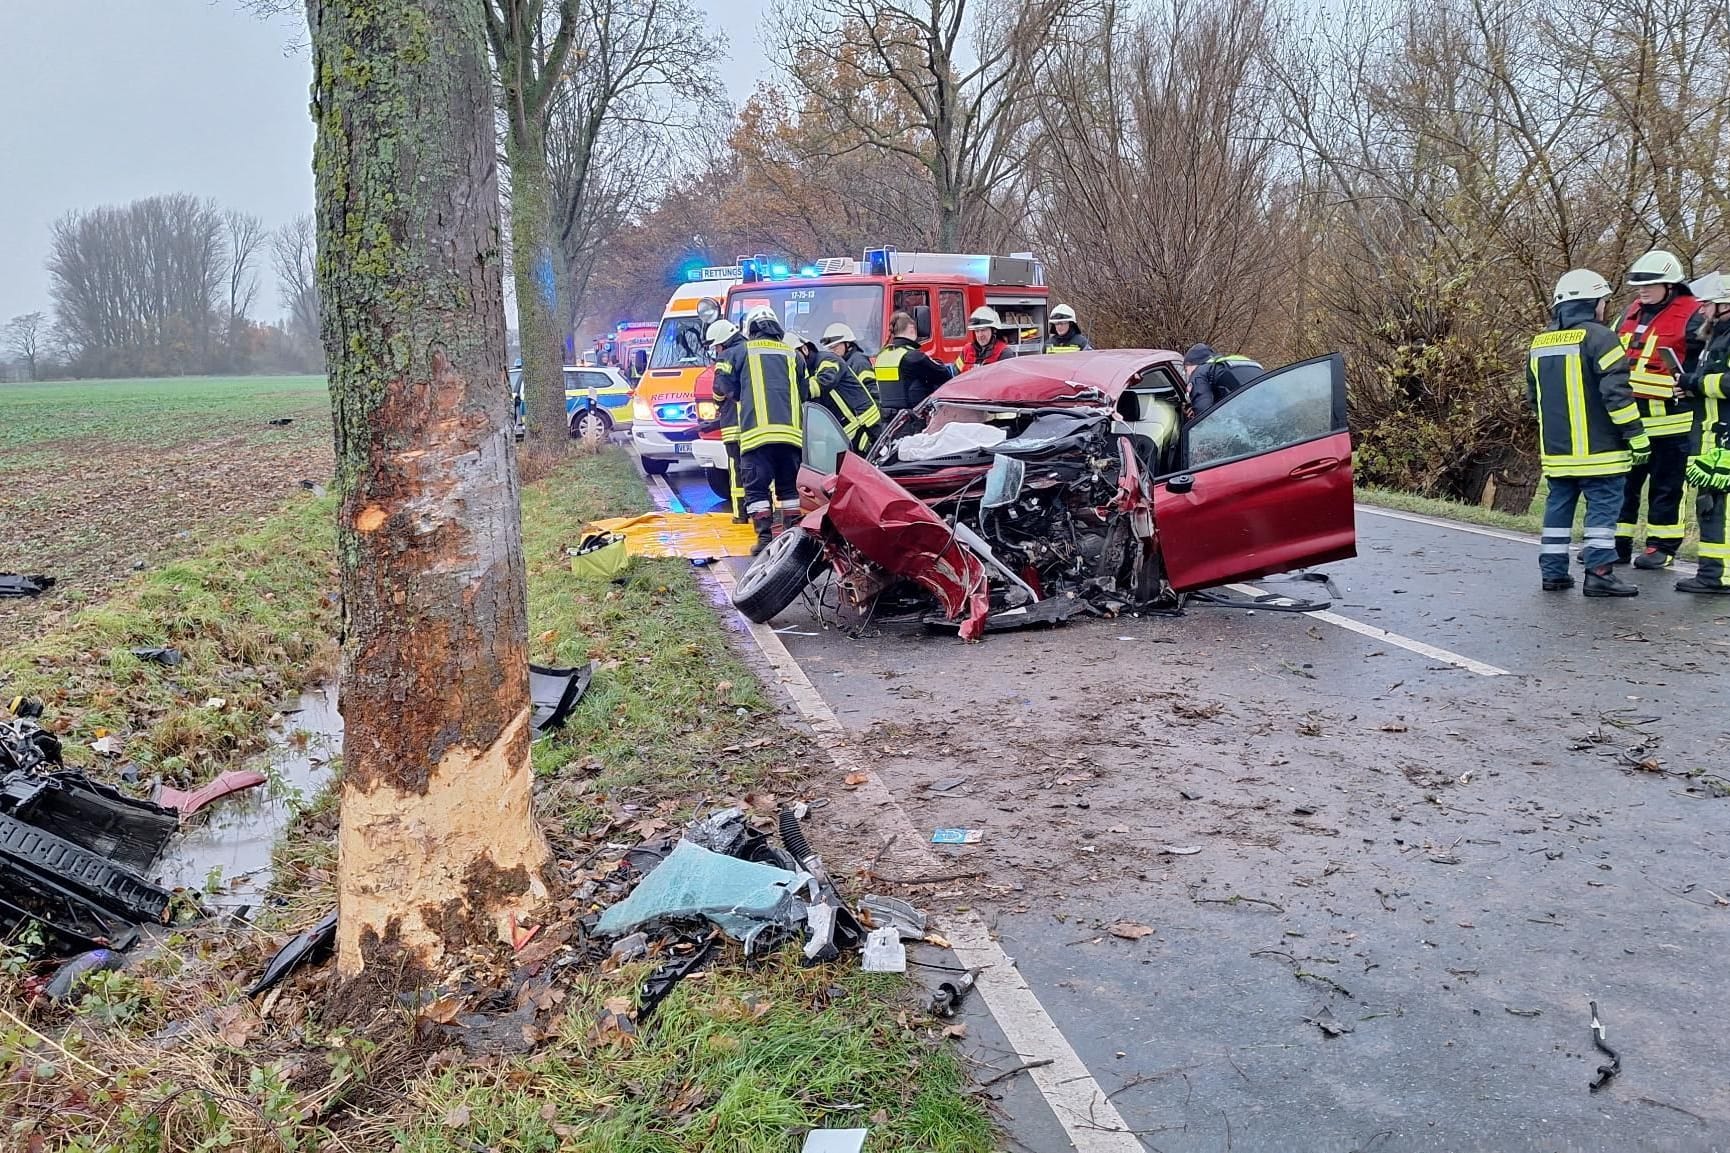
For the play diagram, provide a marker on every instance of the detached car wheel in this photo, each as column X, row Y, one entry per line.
column 778, row 575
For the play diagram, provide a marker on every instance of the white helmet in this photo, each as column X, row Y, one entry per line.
column 838, row 333
column 1657, row 267
column 1581, row 284
column 1063, row 312
column 721, row 331
column 761, row 314
column 1714, row 288
column 984, row 317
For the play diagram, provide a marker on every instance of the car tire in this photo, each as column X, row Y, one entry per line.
column 654, row 467
column 778, row 575
column 719, row 483
column 590, row 427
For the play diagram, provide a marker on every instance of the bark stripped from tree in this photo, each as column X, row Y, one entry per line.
column 438, row 845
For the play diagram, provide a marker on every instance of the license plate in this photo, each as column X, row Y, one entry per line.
column 683, row 448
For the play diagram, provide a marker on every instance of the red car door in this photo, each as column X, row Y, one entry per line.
column 1266, row 481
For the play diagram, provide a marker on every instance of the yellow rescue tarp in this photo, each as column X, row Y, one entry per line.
column 694, row 535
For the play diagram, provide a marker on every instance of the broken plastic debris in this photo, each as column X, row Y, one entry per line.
column 161, row 654
column 1180, row 850
column 107, row 747
column 884, row 952
column 186, row 801
column 630, row 948
column 896, row 913
column 66, row 977
column 835, row 1141
column 309, row 947
column 555, row 693
column 741, row 897
column 957, row 836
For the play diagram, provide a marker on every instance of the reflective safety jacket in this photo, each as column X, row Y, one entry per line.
column 1712, row 378
column 863, row 369
column 972, row 357
column 906, row 376
column 1076, row 341
column 1645, row 332
column 726, row 394
column 833, row 385
column 768, row 379
column 1577, row 379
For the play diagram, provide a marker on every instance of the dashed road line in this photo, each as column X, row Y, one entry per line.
column 1080, row 1105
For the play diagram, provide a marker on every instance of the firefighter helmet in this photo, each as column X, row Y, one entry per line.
column 984, row 317
column 1063, row 313
column 1714, row 288
column 721, row 331
column 838, row 333
column 1580, row 284
column 760, row 320
column 1657, row 267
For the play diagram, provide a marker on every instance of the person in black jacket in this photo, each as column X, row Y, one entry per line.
column 838, row 338
column 1212, row 377
column 834, row 386
column 1066, row 334
column 905, row 375
column 1708, row 469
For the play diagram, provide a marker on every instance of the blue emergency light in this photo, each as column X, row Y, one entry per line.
column 808, row 270
column 778, row 272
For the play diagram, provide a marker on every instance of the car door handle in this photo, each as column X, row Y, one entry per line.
column 1314, row 468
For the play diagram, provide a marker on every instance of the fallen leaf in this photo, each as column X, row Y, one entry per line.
column 724, row 1044
column 457, row 1116
column 724, row 687
column 854, row 780
column 1131, row 930
column 549, row 1111
column 937, row 939
column 756, row 1006
column 235, row 1025
column 620, row 1006
column 955, row 1031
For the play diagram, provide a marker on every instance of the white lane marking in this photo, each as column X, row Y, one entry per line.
column 1381, row 634
column 1680, row 566
column 1091, row 1121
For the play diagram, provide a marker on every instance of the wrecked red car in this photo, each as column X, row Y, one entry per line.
column 1043, row 487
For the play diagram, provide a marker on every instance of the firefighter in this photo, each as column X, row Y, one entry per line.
column 767, row 380
column 838, row 338
column 1709, row 471
column 834, row 386
column 1589, row 429
column 1066, row 334
column 986, row 343
column 905, row 375
column 722, row 334
column 1664, row 316
column 1212, row 377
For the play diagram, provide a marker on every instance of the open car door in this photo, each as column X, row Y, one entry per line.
column 820, row 455
column 1264, row 483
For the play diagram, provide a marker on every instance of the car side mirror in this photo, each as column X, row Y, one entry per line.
column 922, row 320
column 1180, row 483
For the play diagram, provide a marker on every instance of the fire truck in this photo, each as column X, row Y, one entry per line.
column 938, row 289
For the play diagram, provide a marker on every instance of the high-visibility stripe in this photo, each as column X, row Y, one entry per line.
column 1553, row 549
column 1627, row 414
column 1709, row 551
column 1559, row 533
column 1576, row 407
column 1714, row 386
column 1674, row 424
column 1611, row 359
column 1562, row 336
column 1623, row 528
column 1586, row 463
column 1664, row 531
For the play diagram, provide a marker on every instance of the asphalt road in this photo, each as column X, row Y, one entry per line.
column 1442, row 868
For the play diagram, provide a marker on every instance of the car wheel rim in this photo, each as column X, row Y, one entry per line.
column 765, row 563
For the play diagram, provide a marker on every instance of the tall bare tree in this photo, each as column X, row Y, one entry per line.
column 25, row 336
column 963, row 77
column 439, row 847
column 530, row 46
column 293, row 256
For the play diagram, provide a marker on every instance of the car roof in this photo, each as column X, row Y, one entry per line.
column 1041, row 379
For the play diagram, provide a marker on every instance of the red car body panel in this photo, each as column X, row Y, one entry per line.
column 898, row 532
column 1264, row 514
column 1057, row 379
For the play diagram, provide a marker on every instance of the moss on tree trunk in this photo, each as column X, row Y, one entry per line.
column 438, row 845
column 539, row 327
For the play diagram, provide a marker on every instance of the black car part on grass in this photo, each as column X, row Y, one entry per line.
column 555, row 693
column 18, row 585
column 669, row 973
column 74, row 852
column 308, row 948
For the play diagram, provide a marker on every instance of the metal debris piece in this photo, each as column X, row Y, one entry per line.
column 949, row 995
column 1605, row 1072
column 893, row 911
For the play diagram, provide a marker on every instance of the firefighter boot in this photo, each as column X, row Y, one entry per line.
column 1624, row 549
column 1558, row 584
column 1701, row 585
column 764, row 523
column 1654, row 558
column 1604, row 582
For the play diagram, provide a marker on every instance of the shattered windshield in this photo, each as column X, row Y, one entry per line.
column 808, row 311
column 679, row 344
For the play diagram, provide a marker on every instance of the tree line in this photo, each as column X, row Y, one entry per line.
column 167, row 286
column 1400, row 180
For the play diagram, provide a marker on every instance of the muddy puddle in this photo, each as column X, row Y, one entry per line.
column 230, row 841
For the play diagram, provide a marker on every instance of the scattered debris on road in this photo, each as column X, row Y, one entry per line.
column 1607, row 1071
column 957, row 836
column 18, row 585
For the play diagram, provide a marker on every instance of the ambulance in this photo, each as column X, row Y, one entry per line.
column 939, row 290
column 664, row 410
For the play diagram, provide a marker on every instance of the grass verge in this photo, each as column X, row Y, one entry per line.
column 739, row 1059
column 252, row 618
column 1530, row 521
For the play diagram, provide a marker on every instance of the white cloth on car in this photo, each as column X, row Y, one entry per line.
column 950, row 440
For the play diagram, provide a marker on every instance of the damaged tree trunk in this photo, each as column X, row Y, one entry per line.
column 438, row 847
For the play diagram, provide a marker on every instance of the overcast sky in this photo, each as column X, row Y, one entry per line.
column 106, row 101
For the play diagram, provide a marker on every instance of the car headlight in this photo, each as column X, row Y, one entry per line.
column 640, row 410
column 708, row 410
